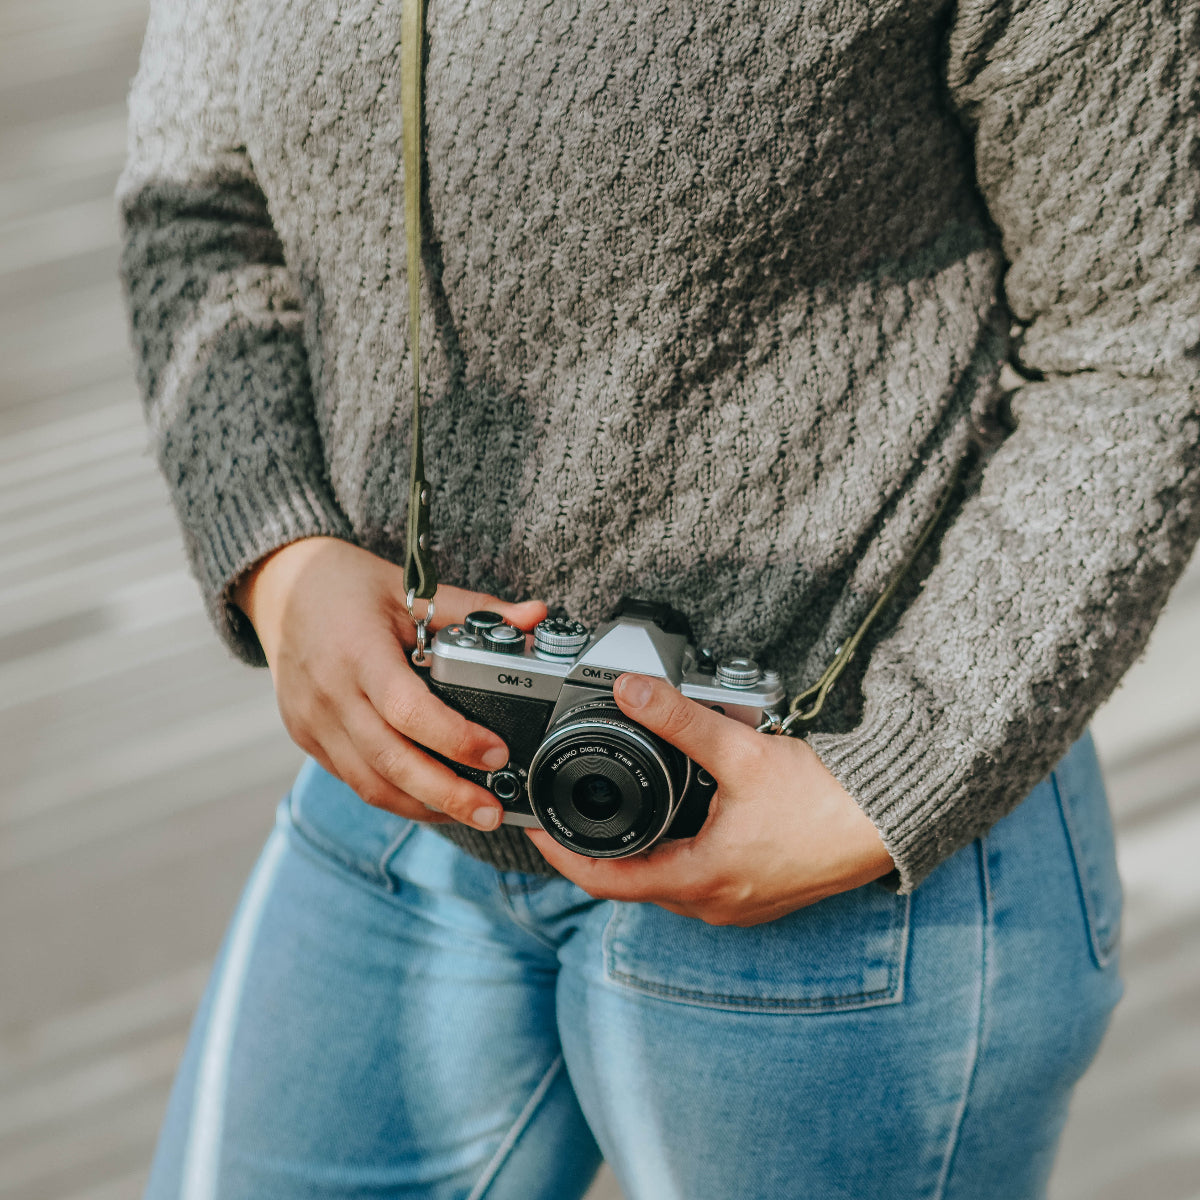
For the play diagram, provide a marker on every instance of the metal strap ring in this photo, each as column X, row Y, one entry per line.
column 421, row 624
column 410, row 600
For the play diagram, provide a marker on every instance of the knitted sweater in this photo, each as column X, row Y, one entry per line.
column 716, row 296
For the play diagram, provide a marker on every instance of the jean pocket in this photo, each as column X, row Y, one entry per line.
column 331, row 818
column 1079, row 786
column 845, row 952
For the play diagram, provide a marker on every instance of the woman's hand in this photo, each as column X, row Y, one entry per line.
column 332, row 623
column 781, row 832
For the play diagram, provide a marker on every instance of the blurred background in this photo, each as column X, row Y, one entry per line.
column 140, row 765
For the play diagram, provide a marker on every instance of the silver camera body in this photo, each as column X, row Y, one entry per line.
column 595, row 780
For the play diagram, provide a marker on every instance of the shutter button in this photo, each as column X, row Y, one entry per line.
column 504, row 639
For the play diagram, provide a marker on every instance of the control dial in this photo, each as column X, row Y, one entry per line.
column 503, row 639
column 560, row 637
column 738, row 671
column 481, row 620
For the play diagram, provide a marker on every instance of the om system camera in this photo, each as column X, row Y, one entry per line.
column 596, row 781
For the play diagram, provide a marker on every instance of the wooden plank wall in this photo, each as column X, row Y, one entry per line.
column 139, row 765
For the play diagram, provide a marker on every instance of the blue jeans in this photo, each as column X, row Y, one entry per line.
column 391, row 1018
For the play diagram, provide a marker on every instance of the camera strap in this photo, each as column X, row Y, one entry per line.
column 420, row 573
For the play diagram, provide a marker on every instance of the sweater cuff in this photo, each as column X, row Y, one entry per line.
column 908, row 785
column 245, row 528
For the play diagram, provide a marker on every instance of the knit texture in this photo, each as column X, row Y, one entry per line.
column 715, row 297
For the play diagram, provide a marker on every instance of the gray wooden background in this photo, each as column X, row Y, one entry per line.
column 139, row 765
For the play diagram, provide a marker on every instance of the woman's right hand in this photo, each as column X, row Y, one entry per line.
column 334, row 628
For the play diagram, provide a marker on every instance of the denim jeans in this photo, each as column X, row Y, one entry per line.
column 391, row 1018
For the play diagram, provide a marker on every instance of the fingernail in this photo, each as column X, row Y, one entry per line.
column 495, row 758
column 485, row 818
column 635, row 690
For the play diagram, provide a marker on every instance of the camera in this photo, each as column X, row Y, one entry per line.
column 595, row 780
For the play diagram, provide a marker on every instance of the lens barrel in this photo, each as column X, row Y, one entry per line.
column 604, row 786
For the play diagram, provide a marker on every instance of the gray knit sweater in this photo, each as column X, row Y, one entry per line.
column 717, row 293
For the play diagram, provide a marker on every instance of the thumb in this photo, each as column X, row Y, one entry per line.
column 452, row 604
column 704, row 736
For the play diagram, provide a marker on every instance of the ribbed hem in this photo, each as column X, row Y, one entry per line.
column 506, row 849
column 903, row 780
column 246, row 527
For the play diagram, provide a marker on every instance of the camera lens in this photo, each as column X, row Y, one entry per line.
column 596, row 797
column 602, row 785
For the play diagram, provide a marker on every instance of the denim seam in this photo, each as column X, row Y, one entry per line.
column 524, row 883
column 891, row 993
column 492, row 1169
column 1101, row 939
column 331, row 850
column 985, row 942
column 388, row 856
column 325, row 859
column 528, row 926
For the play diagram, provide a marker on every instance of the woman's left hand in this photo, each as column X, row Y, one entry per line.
column 781, row 833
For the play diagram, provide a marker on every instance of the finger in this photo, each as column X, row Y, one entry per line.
column 672, row 871
column 369, row 786
column 409, row 707
column 717, row 742
column 452, row 605
column 411, row 770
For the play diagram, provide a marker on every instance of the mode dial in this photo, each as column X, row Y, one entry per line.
column 560, row 637
column 738, row 672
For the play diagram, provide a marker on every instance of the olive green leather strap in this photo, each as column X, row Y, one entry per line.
column 420, row 574
column 807, row 706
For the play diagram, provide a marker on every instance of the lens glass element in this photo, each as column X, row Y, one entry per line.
column 596, row 797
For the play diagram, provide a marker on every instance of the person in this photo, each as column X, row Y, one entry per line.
column 716, row 300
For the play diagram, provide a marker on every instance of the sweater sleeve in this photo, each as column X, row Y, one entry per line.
column 215, row 315
column 1087, row 143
